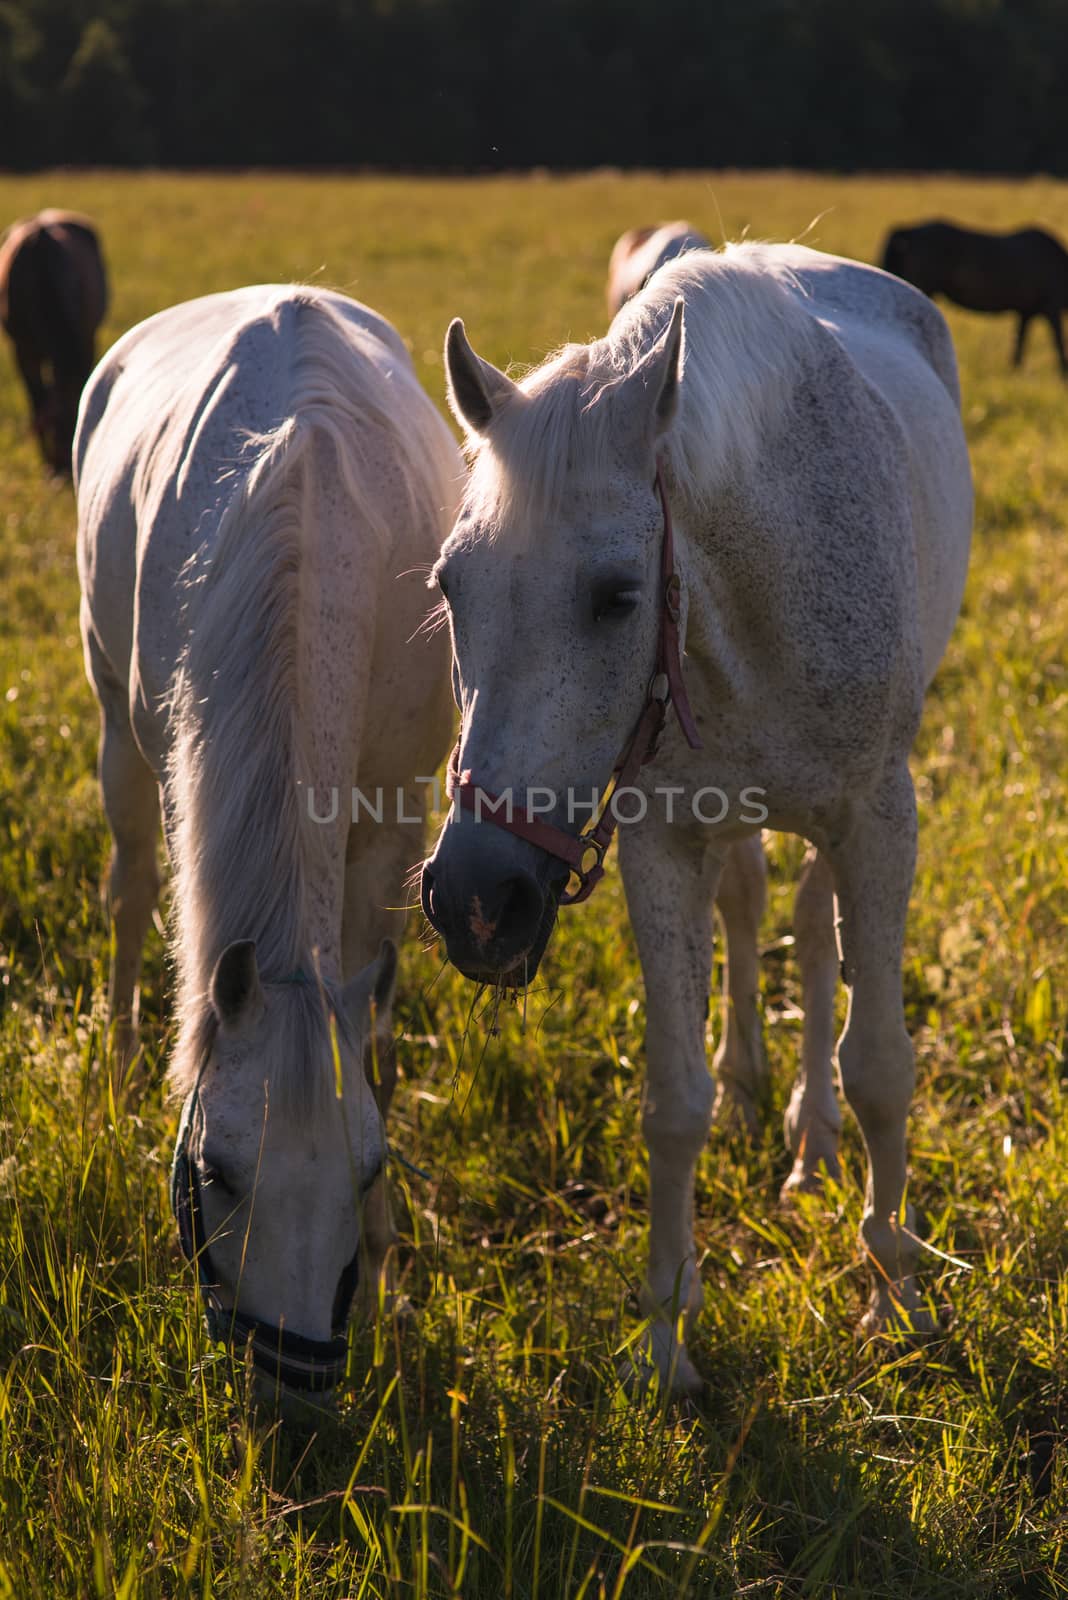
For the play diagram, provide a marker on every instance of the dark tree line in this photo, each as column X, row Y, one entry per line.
column 971, row 85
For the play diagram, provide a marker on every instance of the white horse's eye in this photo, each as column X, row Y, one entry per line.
column 613, row 604
column 211, row 1173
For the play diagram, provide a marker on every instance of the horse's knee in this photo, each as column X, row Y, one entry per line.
column 133, row 875
column 677, row 1117
column 878, row 1076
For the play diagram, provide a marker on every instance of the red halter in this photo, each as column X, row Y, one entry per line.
column 666, row 689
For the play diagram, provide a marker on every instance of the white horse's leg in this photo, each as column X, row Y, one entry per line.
column 131, row 804
column 379, row 862
column 380, row 857
column 813, row 1120
column 739, row 1066
column 671, row 883
column 873, row 868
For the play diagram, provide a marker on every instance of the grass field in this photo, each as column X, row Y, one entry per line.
column 484, row 1448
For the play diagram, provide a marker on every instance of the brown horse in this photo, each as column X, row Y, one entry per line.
column 53, row 295
column 1025, row 272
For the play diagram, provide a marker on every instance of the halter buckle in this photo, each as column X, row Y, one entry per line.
column 587, row 842
column 588, row 876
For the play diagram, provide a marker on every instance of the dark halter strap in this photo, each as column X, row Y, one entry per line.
column 287, row 1359
column 666, row 688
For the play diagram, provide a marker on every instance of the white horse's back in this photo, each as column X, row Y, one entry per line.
column 155, row 360
column 900, row 343
column 896, row 346
column 188, row 390
column 854, row 296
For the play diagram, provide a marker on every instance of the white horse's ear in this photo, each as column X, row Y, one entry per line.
column 649, row 397
column 236, row 991
column 376, row 982
column 477, row 389
column 667, row 401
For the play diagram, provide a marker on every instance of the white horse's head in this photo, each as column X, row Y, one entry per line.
column 551, row 576
column 280, row 1146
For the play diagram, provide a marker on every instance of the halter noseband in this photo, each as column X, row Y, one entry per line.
column 289, row 1359
column 666, row 688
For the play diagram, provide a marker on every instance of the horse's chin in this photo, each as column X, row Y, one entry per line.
column 298, row 1410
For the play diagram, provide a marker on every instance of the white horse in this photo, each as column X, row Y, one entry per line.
column 639, row 252
column 258, row 473
column 814, row 461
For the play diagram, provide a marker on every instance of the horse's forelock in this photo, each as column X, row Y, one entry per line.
column 746, row 329
column 299, row 1068
column 553, row 430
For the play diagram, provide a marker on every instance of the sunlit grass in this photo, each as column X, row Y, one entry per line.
column 485, row 1447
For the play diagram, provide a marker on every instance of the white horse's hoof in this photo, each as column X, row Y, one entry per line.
column 897, row 1314
column 659, row 1360
column 734, row 1110
column 810, row 1177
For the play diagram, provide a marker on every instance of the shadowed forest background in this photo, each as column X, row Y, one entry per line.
column 967, row 85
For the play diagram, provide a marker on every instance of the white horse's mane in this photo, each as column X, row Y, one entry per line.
column 239, row 763
column 746, row 325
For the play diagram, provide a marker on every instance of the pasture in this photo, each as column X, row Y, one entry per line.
column 484, row 1448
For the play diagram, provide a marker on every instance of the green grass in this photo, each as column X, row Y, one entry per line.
column 484, row 1448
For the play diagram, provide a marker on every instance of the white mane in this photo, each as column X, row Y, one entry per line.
column 240, row 849
column 746, row 327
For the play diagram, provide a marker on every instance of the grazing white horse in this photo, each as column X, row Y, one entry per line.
column 808, row 433
column 639, row 252
column 258, row 473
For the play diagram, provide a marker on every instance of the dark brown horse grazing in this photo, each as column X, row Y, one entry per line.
column 53, row 295
column 1025, row 272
